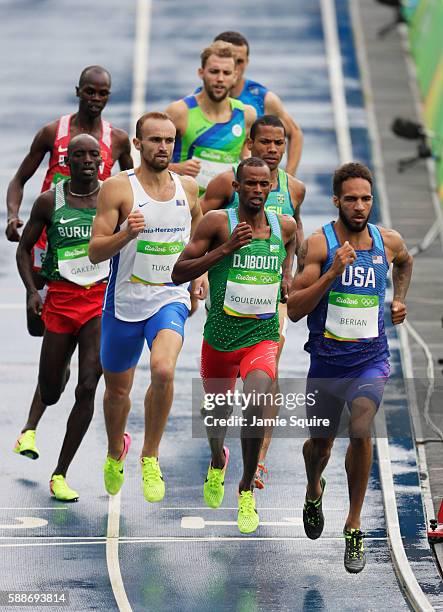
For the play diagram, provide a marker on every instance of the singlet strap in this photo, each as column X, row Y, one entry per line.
column 59, row 195
column 376, row 236
column 190, row 101
column 331, row 238
column 274, row 223
column 232, row 219
column 106, row 133
column 63, row 127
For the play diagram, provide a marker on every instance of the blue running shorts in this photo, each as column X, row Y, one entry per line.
column 122, row 341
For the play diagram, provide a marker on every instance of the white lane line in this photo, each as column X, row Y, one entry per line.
column 36, row 508
column 141, row 63
column 405, row 575
column 139, row 81
column 112, row 560
column 25, row 522
column 171, row 539
column 198, row 522
column 333, row 54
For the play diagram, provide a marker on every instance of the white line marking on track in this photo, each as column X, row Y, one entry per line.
column 112, row 559
column 25, row 522
column 37, row 508
column 198, row 522
column 333, row 54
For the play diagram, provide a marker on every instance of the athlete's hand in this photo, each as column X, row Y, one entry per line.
column 200, row 286
column 241, row 236
column 344, row 256
column 35, row 304
column 136, row 222
column 190, row 167
column 284, row 288
column 398, row 312
column 11, row 229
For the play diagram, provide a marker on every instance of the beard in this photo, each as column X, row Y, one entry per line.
column 353, row 227
column 215, row 98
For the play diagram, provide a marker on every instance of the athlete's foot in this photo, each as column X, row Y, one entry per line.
column 260, row 475
column 214, row 486
column 60, row 490
column 153, row 483
column 113, row 471
column 25, row 445
column 355, row 557
column 313, row 519
column 247, row 518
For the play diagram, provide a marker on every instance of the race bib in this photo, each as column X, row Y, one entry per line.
column 74, row 265
column 212, row 163
column 154, row 262
column 352, row 317
column 251, row 294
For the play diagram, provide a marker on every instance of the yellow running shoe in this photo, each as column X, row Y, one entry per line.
column 247, row 519
column 60, row 490
column 113, row 469
column 214, row 486
column 25, row 445
column 153, row 483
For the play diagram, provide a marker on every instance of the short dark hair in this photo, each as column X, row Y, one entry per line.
column 254, row 162
column 349, row 171
column 235, row 38
column 271, row 120
column 152, row 115
column 97, row 69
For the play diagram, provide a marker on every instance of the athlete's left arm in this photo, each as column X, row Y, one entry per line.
column 250, row 117
column 123, row 149
column 402, row 261
column 297, row 192
column 274, row 106
column 200, row 285
column 289, row 236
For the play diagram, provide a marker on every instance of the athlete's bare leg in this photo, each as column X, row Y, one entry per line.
column 116, row 404
column 89, row 373
column 158, row 401
column 261, row 383
column 359, row 457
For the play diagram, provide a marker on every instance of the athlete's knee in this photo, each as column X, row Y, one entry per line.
column 360, row 439
column 49, row 393
column 320, row 447
column 85, row 390
column 162, row 372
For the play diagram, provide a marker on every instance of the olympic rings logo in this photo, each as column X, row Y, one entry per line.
column 267, row 279
column 174, row 249
column 368, row 302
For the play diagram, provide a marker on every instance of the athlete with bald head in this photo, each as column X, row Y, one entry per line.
column 72, row 308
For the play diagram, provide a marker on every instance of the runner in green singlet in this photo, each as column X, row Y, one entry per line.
column 248, row 253
column 266, row 141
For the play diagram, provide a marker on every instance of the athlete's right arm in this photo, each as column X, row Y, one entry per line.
column 218, row 192
column 40, row 217
column 178, row 111
column 309, row 284
column 41, row 144
column 196, row 258
column 113, row 203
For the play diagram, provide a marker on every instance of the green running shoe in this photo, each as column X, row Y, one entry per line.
column 214, row 486
column 25, row 445
column 313, row 519
column 60, row 490
column 113, row 469
column 355, row 557
column 153, row 483
column 247, row 519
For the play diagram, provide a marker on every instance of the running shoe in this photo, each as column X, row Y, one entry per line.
column 214, row 486
column 153, row 483
column 355, row 557
column 313, row 519
column 247, row 518
column 60, row 490
column 113, row 469
column 260, row 475
column 25, row 445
